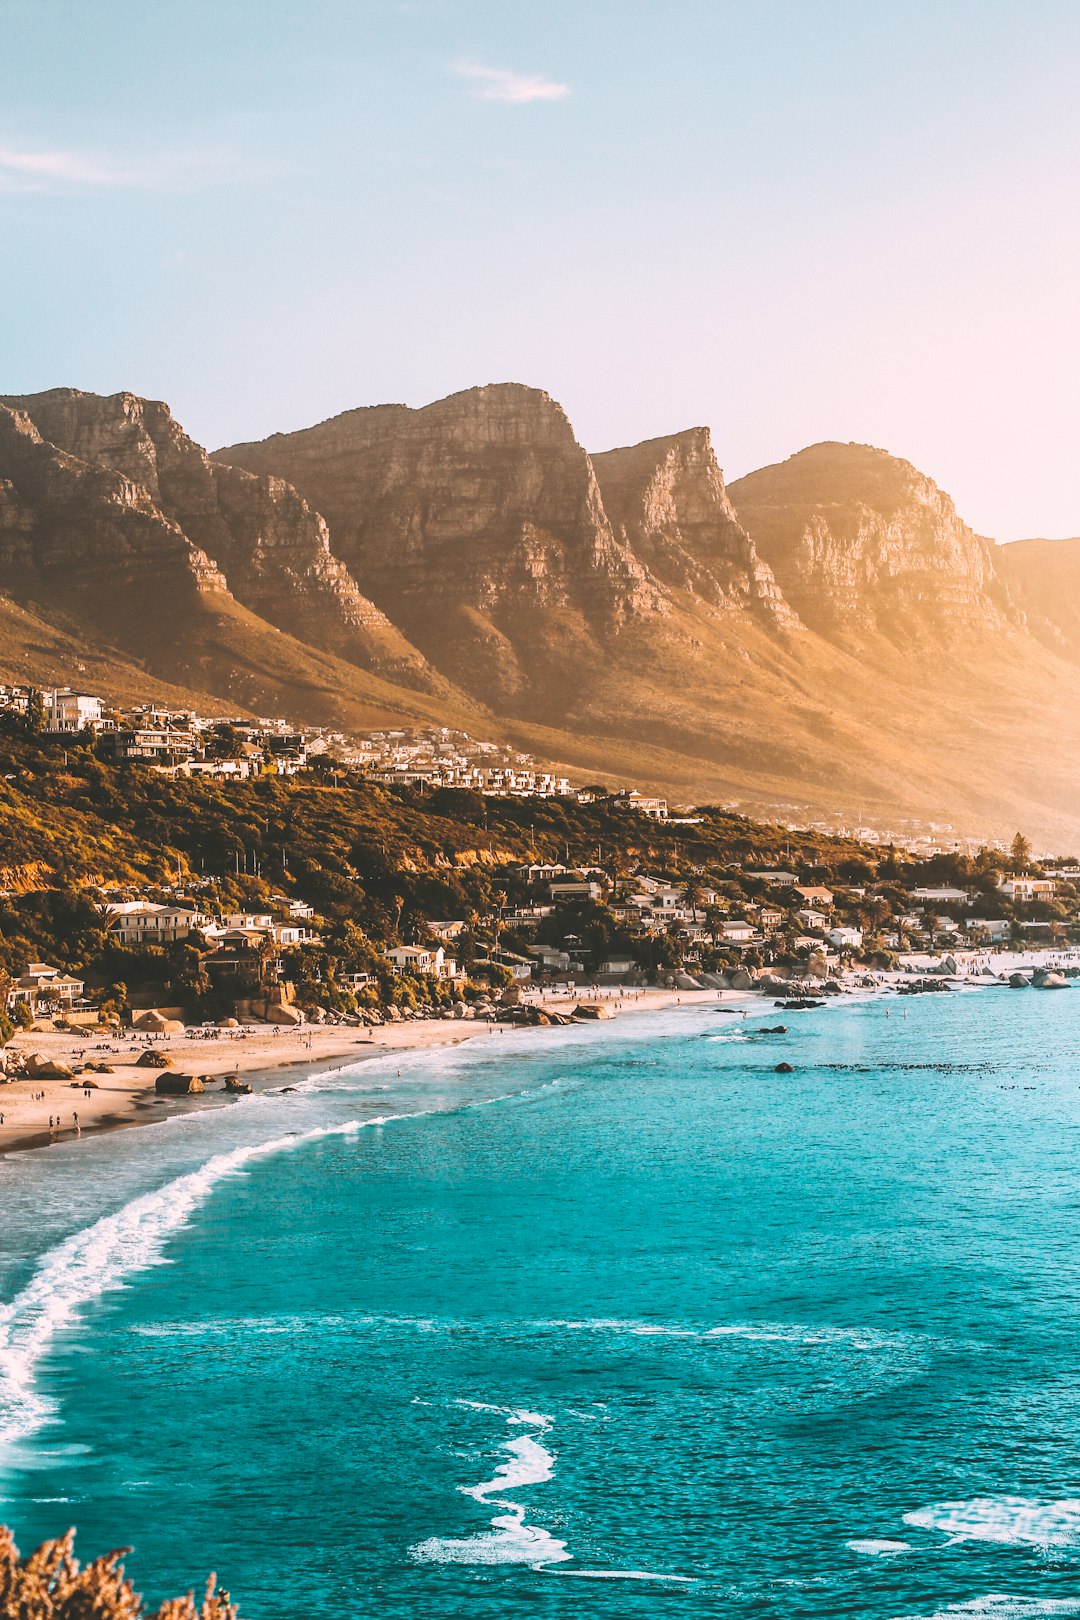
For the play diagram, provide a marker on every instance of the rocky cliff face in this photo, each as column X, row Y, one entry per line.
column 477, row 524
column 862, row 543
column 1044, row 579
column 666, row 500
column 86, row 533
column 269, row 546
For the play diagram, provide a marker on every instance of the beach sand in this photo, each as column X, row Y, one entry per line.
column 127, row 1096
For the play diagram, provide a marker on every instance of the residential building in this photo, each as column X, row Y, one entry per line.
column 445, row 931
column 67, row 710
column 1027, row 888
column 631, row 799
column 736, row 932
column 813, row 919
column 551, row 957
column 42, row 986
column 814, row 897
column 575, row 889
column 419, row 959
column 996, row 929
column 141, row 922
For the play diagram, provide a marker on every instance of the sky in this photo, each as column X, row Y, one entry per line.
column 789, row 220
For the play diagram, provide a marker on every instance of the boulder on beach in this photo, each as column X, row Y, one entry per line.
column 177, row 1085
column 43, row 1068
column 1019, row 981
column 592, row 1009
column 784, row 1068
column 1048, row 979
column 153, row 1060
column 156, row 1023
column 233, row 1082
column 284, row 1015
column 742, row 980
column 227, row 1023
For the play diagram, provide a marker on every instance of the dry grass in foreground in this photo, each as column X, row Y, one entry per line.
column 49, row 1585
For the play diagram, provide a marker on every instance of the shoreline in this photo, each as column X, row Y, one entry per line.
column 126, row 1098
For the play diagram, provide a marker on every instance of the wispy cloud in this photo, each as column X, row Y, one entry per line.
column 501, row 84
column 38, row 169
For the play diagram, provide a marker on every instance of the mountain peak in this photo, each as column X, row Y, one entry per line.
column 862, row 542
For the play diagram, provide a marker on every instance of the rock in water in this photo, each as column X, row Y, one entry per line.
column 177, row 1085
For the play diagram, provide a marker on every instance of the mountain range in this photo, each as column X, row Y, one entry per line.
column 823, row 635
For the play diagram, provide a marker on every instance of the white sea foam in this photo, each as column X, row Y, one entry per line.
column 1020, row 1520
column 878, row 1549
column 509, row 1540
column 1001, row 1606
column 621, row 1575
column 98, row 1259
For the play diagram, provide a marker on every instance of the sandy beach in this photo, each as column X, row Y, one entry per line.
column 126, row 1096
column 264, row 1054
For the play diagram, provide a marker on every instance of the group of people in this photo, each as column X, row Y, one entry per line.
column 57, row 1125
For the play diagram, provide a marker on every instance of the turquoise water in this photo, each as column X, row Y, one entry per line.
column 615, row 1322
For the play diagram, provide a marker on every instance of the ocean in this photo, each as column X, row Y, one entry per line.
column 611, row 1321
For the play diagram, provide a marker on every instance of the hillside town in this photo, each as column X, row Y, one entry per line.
column 301, row 946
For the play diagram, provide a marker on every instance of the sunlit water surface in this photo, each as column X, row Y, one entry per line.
column 613, row 1321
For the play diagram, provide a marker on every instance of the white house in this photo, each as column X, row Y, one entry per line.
column 845, row 939
column 66, row 710
column 737, row 931
column 418, row 959
column 551, row 957
column 1027, row 888
column 141, row 922
column 642, row 803
column 813, row 919
column 42, row 985
column 996, row 929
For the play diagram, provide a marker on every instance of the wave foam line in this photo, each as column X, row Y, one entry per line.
column 1002, row 1606
column 99, row 1258
column 509, row 1540
column 621, row 1575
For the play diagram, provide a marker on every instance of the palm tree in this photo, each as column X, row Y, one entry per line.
column 1019, row 854
column 692, row 896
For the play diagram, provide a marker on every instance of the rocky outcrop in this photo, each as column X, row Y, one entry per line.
column 477, row 525
column 862, row 543
column 666, row 500
column 268, row 545
column 178, row 1085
